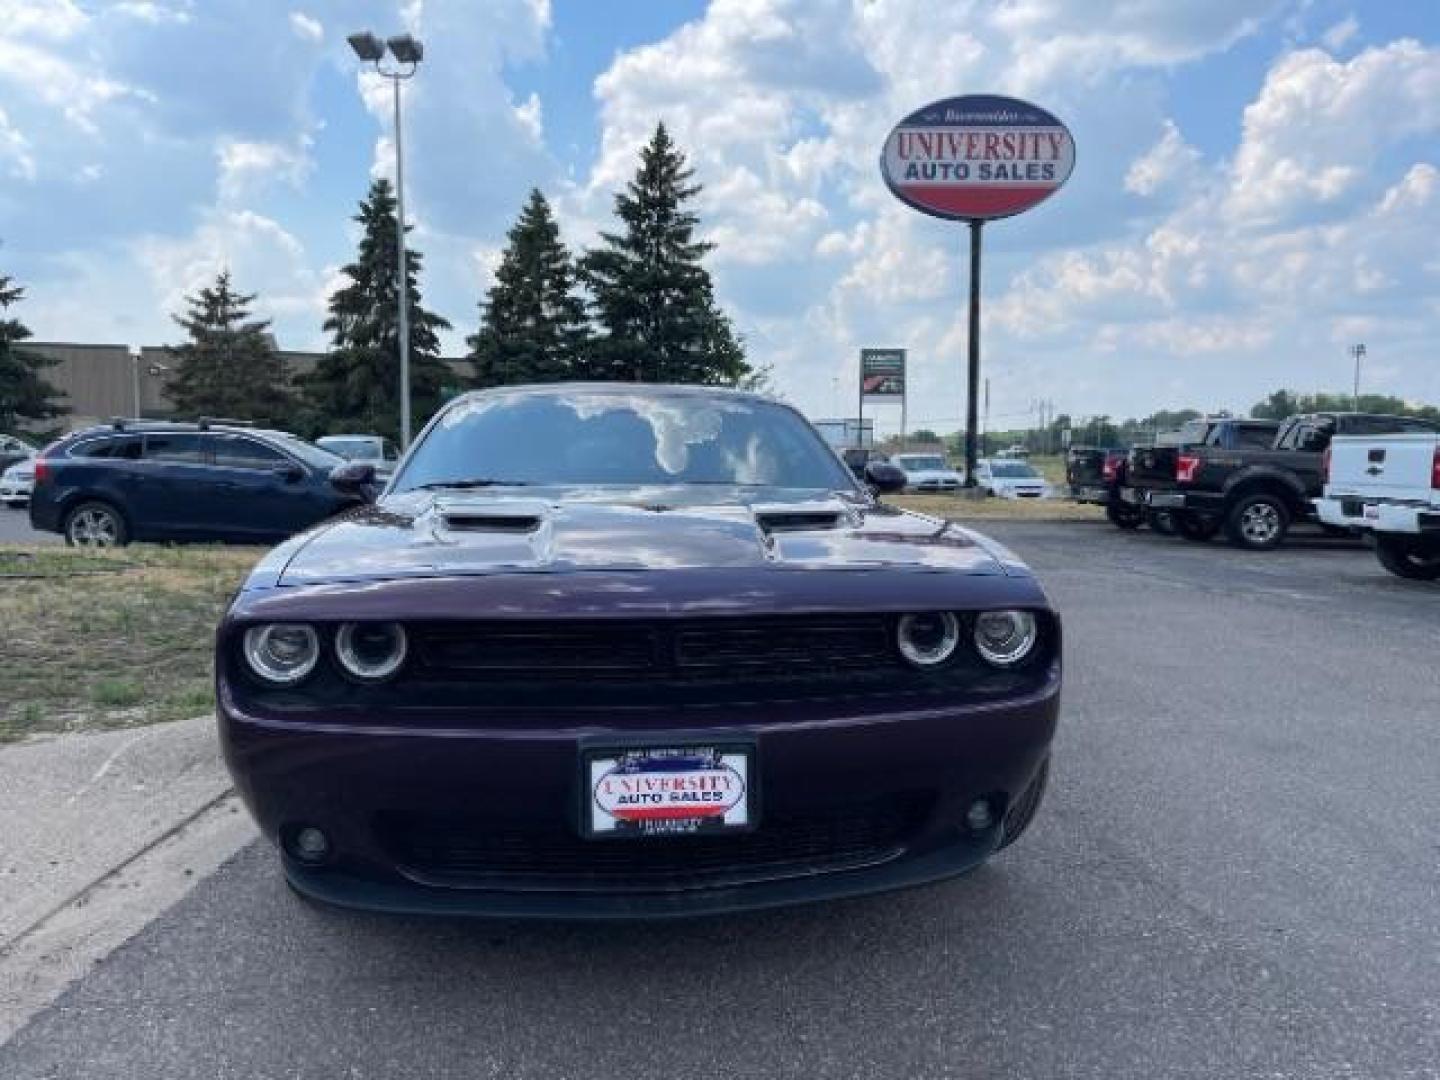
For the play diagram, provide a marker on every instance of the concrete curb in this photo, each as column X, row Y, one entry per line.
column 102, row 833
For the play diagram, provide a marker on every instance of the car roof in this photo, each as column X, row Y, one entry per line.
column 145, row 427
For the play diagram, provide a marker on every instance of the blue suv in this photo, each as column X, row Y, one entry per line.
column 144, row 480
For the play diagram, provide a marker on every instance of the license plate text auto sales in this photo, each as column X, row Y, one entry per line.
column 666, row 791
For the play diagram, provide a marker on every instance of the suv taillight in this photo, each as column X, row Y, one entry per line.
column 1108, row 467
column 42, row 471
column 1325, row 466
column 1435, row 470
column 1185, row 466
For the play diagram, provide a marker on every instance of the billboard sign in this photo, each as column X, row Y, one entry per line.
column 882, row 374
column 977, row 157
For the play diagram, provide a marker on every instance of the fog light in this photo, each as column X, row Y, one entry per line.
column 979, row 818
column 310, row 844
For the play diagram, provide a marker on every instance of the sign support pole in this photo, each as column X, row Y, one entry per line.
column 972, row 402
column 860, row 408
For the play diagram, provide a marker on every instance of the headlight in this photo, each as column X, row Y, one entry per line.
column 928, row 639
column 371, row 651
column 1004, row 638
column 282, row 653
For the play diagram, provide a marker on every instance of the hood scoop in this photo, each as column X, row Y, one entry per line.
column 804, row 516
column 503, row 516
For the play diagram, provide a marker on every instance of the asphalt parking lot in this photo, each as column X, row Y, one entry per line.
column 15, row 529
column 1236, row 873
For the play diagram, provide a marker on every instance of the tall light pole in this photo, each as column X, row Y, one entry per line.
column 1358, row 353
column 407, row 52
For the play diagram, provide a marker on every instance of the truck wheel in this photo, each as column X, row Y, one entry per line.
column 1124, row 516
column 95, row 524
column 1022, row 810
column 1258, row 522
column 1200, row 528
column 1403, row 558
column 1161, row 521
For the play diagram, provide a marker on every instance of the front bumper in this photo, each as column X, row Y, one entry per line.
column 498, row 786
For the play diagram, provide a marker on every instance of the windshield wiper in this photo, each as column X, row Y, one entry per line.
column 471, row 482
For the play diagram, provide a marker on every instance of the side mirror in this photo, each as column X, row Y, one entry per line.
column 352, row 477
column 884, row 477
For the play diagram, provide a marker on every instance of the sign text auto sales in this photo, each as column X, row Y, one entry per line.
column 941, row 154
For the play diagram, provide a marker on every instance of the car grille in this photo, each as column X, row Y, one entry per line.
column 796, row 846
column 682, row 649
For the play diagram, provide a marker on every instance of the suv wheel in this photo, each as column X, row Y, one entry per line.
column 1123, row 515
column 95, row 524
column 1258, row 522
column 1403, row 558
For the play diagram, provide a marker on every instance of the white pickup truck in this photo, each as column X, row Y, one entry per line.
column 1390, row 486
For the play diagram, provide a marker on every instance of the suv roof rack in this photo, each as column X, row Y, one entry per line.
column 206, row 422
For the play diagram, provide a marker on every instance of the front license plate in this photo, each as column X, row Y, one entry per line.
column 668, row 791
column 1372, row 512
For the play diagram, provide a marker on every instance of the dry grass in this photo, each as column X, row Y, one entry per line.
column 963, row 510
column 109, row 639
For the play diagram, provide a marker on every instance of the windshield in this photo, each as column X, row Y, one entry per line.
column 356, row 449
column 1012, row 469
column 919, row 463
column 607, row 438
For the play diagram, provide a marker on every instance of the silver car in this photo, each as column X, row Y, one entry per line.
column 16, row 484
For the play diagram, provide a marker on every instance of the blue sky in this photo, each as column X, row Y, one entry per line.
column 1258, row 181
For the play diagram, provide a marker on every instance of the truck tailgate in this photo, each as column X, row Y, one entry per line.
column 1397, row 468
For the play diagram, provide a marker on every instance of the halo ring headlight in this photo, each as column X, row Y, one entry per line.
column 371, row 652
column 927, row 639
column 282, row 654
column 1005, row 638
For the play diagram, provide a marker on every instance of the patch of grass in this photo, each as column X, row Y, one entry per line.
column 128, row 645
column 964, row 510
column 117, row 693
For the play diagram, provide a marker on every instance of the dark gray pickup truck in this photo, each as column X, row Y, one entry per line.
column 1151, row 470
column 1256, row 493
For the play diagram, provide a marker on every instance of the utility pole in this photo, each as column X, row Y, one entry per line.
column 1357, row 352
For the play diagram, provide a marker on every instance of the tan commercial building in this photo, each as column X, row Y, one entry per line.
column 102, row 381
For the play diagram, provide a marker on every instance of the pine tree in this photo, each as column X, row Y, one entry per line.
column 356, row 386
column 651, row 296
column 24, row 393
column 532, row 325
column 229, row 366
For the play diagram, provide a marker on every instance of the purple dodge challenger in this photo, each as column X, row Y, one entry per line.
column 634, row 651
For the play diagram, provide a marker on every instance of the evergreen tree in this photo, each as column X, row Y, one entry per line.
column 356, row 386
column 532, row 325
column 24, row 393
column 651, row 296
column 229, row 366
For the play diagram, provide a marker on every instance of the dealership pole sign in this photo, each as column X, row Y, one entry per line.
column 974, row 159
column 882, row 378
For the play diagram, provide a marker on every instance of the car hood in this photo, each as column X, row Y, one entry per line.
column 425, row 535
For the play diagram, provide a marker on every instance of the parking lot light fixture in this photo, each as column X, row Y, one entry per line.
column 406, row 49
column 367, row 46
column 407, row 52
